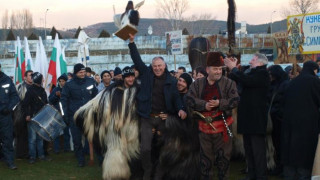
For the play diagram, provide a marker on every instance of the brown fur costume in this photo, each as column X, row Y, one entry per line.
column 110, row 122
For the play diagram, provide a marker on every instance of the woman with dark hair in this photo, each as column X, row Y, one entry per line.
column 279, row 81
column 201, row 72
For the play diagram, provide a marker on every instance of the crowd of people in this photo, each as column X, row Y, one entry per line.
column 186, row 114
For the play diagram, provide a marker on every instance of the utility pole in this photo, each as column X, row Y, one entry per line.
column 45, row 24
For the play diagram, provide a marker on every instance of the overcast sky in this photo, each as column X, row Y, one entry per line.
column 74, row 13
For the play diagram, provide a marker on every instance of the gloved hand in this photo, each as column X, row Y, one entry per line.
column 5, row 111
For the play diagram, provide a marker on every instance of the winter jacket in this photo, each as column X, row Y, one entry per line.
column 34, row 100
column 144, row 96
column 301, row 124
column 252, row 109
column 227, row 90
column 76, row 93
column 54, row 99
column 9, row 97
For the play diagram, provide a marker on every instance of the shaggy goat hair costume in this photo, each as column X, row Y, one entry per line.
column 179, row 155
column 109, row 121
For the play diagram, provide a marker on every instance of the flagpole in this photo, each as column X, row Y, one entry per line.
column 85, row 56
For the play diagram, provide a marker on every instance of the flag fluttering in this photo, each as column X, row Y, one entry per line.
column 53, row 70
column 20, row 67
column 41, row 62
column 83, row 49
column 28, row 58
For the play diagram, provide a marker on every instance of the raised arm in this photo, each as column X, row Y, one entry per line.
column 135, row 56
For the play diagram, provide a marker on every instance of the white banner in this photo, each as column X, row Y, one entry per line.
column 174, row 42
column 304, row 33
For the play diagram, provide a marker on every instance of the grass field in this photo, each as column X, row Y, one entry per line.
column 64, row 166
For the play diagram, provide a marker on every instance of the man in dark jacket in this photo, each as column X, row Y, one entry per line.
column 77, row 92
column 252, row 112
column 34, row 100
column 54, row 99
column 19, row 119
column 8, row 100
column 158, row 97
column 300, row 127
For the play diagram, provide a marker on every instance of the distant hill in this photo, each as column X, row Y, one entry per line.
column 160, row 26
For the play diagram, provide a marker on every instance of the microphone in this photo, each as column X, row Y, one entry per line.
column 214, row 98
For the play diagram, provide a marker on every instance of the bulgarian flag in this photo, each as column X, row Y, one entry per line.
column 20, row 66
column 28, row 59
column 54, row 63
column 62, row 64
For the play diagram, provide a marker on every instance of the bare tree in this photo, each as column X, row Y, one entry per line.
column 5, row 23
column 173, row 11
column 22, row 22
column 199, row 23
column 304, row 6
column 300, row 7
column 5, row 19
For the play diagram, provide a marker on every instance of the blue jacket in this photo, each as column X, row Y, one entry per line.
column 144, row 96
column 76, row 93
column 9, row 97
column 54, row 99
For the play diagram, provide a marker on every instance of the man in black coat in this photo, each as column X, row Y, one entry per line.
column 301, row 125
column 34, row 100
column 76, row 93
column 158, row 96
column 8, row 100
column 252, row 112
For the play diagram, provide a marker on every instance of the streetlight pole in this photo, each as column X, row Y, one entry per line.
column 45, row 24
column 271, row 22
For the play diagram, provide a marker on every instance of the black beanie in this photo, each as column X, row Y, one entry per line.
column 117, row 71
column 187, row 78
column 127, row 71
column 78, row 67
column 37, row 78
column 63, row 76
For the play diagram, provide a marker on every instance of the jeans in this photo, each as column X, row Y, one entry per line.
column 77, row 141
column 35, row 144
column 66, row 141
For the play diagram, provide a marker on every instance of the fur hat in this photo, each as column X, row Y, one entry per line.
column 215, row 59
column 187, row 78
column 37, row 78
column 78, row 67
column 127, row 71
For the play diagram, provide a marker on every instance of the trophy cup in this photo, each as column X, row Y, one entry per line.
column 127, row 21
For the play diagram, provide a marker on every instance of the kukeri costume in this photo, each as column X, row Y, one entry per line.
column 109, row 121
column 215, row 134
